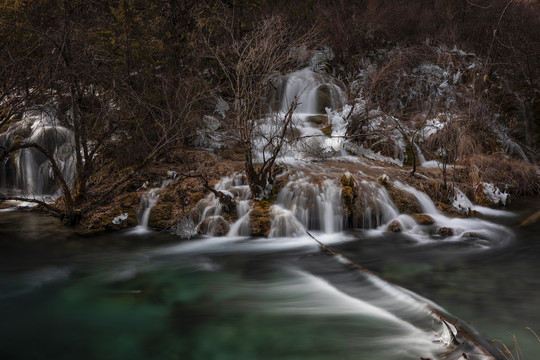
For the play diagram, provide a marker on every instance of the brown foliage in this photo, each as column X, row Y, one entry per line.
column 513, row 175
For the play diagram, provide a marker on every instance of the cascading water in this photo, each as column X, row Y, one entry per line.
column 314, row 92
column 479, row 232
column 148, row 200
column 210, row 215
column 28, row 170
column 311, row 205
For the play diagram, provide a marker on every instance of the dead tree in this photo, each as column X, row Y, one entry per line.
column 250, row 63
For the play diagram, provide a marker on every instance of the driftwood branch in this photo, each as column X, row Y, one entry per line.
column 446, row 322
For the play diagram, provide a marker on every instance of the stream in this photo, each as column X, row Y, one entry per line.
column 151, row 295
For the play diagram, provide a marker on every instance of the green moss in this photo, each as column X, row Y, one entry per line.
column 132, row 221
column 405, row 202
column 17, row 140
column 327, row 130
column 161, row 215
column 347, row 180
column 260, row 217
column 347, row 197
column 318, row 119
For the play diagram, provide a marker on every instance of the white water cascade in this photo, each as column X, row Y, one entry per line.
column 315, row 92
column 481, row 233
column 28, row 170
column 313, row 206
column 148, row 200
column 209, row 211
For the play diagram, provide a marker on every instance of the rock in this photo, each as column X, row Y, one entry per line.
column 347, row 198
column 214, row 225
column 259, row 218
column 394, row 226
column 161, row 216
column 423, row 219
column 444, row 231
column 404, row 201
column 327, row 130
column 318, row 119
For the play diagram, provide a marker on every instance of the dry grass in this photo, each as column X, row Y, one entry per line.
column 516, row 176
column 517, row 353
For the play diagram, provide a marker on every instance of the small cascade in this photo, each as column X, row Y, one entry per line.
column 420, row 156
column 479, row 232
column 210, row 213
column 379, row 209
column 28, row 170
column 148, row 201
column 242, row 194
column 311, row 205
column 314, row 92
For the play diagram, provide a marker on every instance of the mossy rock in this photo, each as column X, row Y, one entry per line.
column 233, row 153
column 130, row 200
column 214, row 225
column 318, row 119
column 536, row 115
column 161, row 216
column 445, row 231
column 259, row 217
column 348, row 180
column 17, row 139
column 423, row 219
column 132, row 218
column 349, row 194
column 347, row 198
column 327, row 130
column 404, row 201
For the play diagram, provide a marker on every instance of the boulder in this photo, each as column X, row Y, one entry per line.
column 394, row 226
column 444, row 231
column 423, row 219
column 214, row 225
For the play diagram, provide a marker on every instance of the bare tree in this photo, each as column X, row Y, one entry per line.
column 250, row 64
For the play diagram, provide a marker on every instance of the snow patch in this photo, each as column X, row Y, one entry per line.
column 494, row 195
column 461, row 202
column 120, row 219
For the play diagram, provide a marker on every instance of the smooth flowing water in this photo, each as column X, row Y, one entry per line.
column 153, row 296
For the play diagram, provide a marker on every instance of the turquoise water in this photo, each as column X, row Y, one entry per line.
column 121, row 296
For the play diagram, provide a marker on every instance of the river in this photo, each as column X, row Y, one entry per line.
column 154, row 296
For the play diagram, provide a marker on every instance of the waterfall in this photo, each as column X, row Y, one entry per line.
column 148, row 200
column 210, row 212
column 314, row 92
column 480, row 232
column 303, row 202
column 28, row 170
